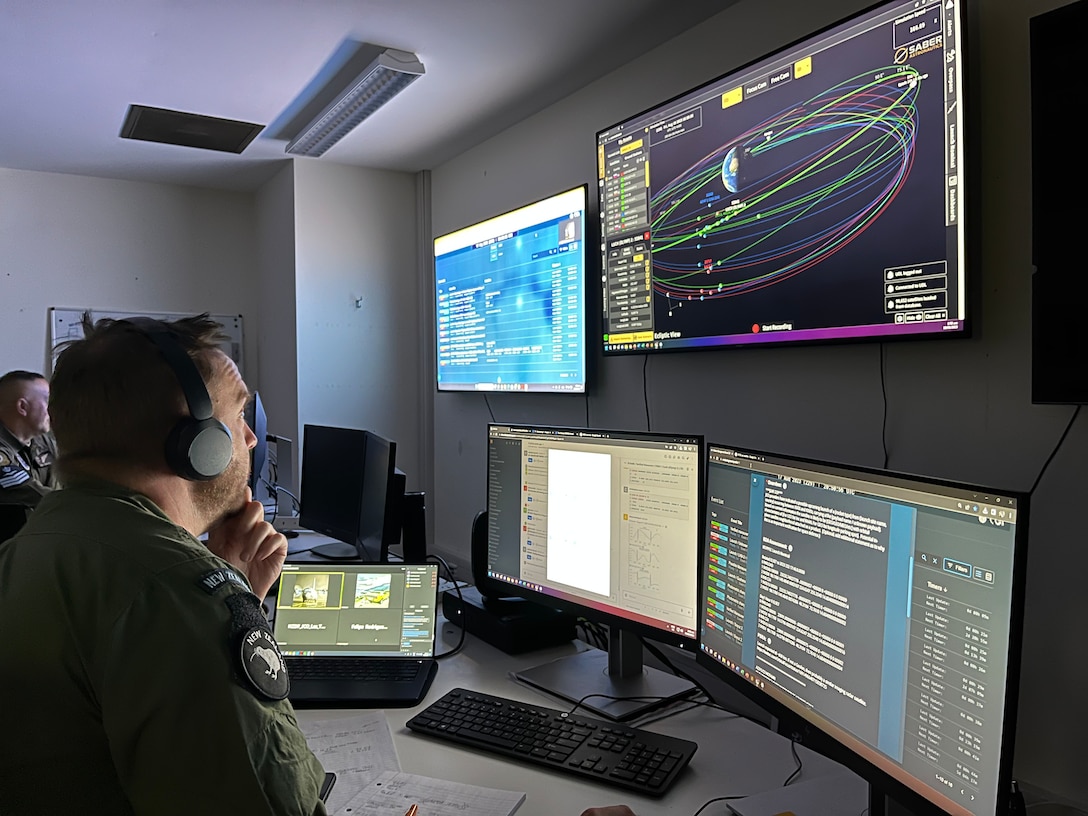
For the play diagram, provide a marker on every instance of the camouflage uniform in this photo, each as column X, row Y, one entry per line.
column 26, row 472
column 133, row 676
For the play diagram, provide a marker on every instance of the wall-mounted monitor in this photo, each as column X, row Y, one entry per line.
column 510, row 300
column 1059, row 344
column 877, row 615
column 816, row 194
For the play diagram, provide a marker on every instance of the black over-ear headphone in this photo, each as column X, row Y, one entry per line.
column 200, row 446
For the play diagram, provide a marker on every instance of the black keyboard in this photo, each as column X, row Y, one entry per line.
column 352, row 668
column 607, row 752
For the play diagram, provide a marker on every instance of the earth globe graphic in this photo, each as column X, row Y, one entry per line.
column 730, row 166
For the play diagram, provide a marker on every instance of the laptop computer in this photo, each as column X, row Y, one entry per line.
column 357, row 634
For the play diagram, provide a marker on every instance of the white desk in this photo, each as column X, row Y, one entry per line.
column 735, row 756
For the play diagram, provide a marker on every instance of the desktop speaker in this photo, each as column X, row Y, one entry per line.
column 487, row 587
column 514, row 625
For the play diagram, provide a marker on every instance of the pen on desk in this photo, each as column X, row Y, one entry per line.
column 412, row 811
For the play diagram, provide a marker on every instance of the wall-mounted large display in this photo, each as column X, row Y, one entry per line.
column 510, row 299
column 816, row 194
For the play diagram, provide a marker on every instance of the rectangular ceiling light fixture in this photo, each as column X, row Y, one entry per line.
column 389, row 74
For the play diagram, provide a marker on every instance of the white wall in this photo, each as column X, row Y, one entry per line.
column 275, row 293
column 955, row 409
column 319, row 234
column 358, row 365
column 75, row 241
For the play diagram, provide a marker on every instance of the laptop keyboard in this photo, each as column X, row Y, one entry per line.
column 352, row 668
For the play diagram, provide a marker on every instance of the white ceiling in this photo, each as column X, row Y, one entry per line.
column 69, row 69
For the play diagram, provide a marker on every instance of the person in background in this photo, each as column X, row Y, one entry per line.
column 27, row 447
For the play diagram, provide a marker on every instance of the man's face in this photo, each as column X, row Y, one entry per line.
column 226, row 494
column 34, row 405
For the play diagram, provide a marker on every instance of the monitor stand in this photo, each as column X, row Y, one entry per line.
column 336, row 551
column 619, row 672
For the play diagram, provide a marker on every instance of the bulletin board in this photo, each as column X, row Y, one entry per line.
column 67, row 324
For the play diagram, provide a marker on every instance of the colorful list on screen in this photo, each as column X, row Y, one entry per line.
column 510, row 300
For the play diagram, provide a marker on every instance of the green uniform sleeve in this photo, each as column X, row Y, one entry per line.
column 45, row 458
column 17, row 486
column 187, row 732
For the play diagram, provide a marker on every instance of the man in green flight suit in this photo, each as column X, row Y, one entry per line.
column 139, row 674
column 27, row 449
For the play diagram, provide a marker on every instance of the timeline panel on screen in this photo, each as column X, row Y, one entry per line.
column 510, row 300
column 813, row 195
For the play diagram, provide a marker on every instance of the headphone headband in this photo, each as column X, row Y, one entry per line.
column 199, row 447
column 192, row 384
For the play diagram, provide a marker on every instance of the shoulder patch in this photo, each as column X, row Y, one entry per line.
column 11, row 476
column 216, row 579
column 257, row 655
column 4, row 459
column 263, row 665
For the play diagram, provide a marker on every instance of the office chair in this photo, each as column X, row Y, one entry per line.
column 12, row 519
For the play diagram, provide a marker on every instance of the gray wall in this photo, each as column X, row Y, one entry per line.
column 957, row 409
column 74, row 241
column 356, row 304
column 290, row 258
column 275, row 294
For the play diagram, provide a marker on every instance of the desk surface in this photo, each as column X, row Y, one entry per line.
column 736, row 757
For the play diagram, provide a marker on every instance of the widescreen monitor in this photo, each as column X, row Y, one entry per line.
column 348, row 492
column 605, row 524
column 878, row 615
column 510, row 312
column 813, row 195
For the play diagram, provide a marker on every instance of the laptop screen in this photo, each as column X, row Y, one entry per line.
column 364, row 610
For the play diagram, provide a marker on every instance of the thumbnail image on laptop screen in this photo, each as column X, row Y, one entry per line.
column 357, row 609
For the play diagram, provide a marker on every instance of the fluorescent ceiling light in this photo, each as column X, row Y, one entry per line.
column 389, row 74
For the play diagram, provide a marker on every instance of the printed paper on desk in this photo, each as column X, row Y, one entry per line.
column 392, row 793
column 356, row 749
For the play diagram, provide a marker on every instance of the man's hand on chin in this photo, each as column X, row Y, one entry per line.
column 246, row 541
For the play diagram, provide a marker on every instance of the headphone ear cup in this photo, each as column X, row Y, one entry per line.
column 199, row 450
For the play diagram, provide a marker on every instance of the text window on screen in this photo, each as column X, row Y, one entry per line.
column 579, row 513
column 823, row 573
column 656, row 509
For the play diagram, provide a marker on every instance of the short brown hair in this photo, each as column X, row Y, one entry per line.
column 114, row 396
column 12, row 383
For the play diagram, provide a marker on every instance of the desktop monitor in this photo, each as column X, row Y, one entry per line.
column 257, row 421
column 816, row 194
column 604, row 524
column 510, row 311
column 348, row 492
column 879, row 615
